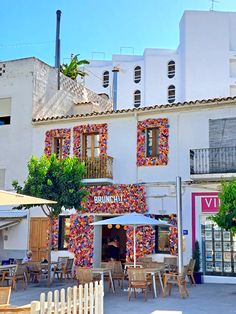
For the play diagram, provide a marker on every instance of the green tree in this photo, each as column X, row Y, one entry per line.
column 54, row 179
column 72, row 69
column 226, row 217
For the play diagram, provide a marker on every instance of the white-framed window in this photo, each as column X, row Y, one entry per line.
column 137, row 74
column 105, row 79
column 171, row 94
column 171, row 69
column 137, row 98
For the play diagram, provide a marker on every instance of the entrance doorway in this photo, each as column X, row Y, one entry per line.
column 112, row 233
column 38, row 240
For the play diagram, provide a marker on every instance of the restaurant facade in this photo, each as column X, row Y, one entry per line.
column 132, row 159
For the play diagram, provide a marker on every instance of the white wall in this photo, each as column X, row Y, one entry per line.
column 207, row 43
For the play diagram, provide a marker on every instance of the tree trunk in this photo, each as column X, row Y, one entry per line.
column 49, row 249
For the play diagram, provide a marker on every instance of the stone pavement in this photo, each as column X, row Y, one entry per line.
column 205, row 298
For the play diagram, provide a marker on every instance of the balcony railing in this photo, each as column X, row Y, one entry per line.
column 213, row 160
column 99, row 167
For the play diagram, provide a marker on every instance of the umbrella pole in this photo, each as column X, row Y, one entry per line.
column 134, row 246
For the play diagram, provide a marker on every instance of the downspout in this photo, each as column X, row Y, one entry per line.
column 136, row 120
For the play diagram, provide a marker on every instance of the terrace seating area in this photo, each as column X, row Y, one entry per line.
column 150, row 279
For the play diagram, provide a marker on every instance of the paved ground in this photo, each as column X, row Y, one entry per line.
column 205, row 298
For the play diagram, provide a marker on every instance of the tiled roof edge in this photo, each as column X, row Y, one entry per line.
column 159, row 107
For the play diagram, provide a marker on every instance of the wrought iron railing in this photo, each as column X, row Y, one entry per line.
column 98, row 167
column 213, row 160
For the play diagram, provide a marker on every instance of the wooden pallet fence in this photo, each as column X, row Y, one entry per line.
column 84, row 299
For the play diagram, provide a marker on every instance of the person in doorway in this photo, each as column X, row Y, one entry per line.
column 113, row 249
column 28, row 257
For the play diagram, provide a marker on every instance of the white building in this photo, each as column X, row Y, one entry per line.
column 28, row 89
column 203, row 66
column 136, row 156
column 146, row 149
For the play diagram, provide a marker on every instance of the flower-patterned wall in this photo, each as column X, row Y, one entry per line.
column 115, row 199
column 145, row 242
column 65, row 134
column 81, row 239
column 173, row 235
column 88, row 129
column 162, row 159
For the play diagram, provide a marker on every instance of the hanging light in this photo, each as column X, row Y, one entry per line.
column 117, row 226
column 109, row 226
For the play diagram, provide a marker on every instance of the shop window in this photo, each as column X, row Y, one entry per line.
column 171, row 94
column 137, row 74
column 171, row 69
column 64, row 231
column 137, row 98
column 106, row 79
column 162, row 240
column 90, row 145
column 57, row 146
column 5, row 111
column 153, row 142
column 219, row 250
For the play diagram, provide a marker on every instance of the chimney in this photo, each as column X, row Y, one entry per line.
column 115, row 71
column 57, row 49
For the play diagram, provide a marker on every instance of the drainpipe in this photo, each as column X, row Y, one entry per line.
column 115, row 71
column 57, row 48
column 136, row 120
column 179, row 222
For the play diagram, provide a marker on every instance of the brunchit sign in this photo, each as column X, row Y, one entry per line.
column 115, row 199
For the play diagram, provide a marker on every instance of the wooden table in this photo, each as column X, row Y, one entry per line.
column 153, row 272
column 103, row 271
column 6, row 267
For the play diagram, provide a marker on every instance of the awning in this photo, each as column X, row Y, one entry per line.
column 10, row 218
column 9, row 198
column 7, row 223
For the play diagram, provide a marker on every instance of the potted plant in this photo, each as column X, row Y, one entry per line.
column 196, row 256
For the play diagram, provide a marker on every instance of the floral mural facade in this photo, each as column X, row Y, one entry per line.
column 111, row 199
column 64, row 134
column 162, row 158
column 78, row 131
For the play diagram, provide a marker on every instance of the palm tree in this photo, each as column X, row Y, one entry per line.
column 72, row 69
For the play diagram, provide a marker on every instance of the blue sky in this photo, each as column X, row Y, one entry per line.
column 93, row 28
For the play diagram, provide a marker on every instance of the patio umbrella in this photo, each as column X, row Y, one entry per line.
column 9, row 198
column 133, row 220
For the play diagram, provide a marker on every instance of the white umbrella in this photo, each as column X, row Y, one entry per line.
column 133, row 220
column 9, row 198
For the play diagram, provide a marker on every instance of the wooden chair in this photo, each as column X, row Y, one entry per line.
column 176, row 279
column 5, row 294
column 170, row 264
column 145, row 260
column 117, row 272
column 58, row 268
column 67, row 269
column 19, row 274
column 34, row 271
column 19, row 261
column 85, row 275
column 138, row 280
column 190, row 271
